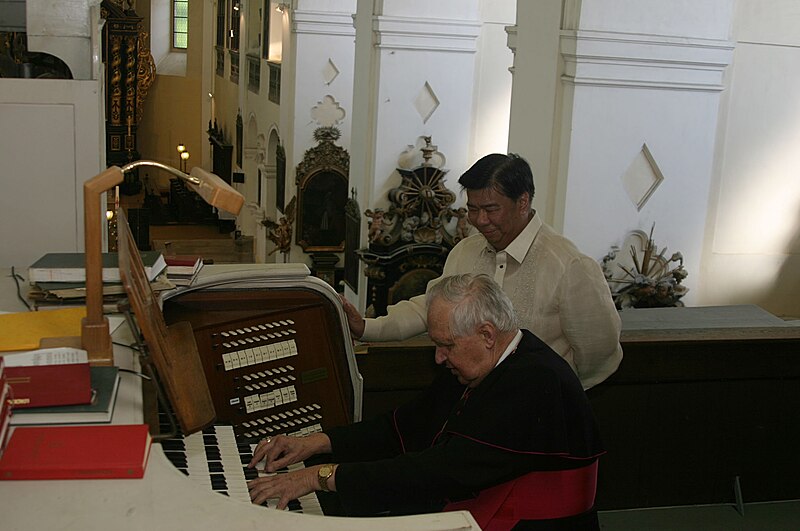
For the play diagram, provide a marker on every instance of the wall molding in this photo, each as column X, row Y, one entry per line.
column 644, row 61
column 323, row 23
column 404, row 33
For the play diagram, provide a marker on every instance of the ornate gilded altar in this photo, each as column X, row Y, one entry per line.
column 130, row 71
column 409, row 241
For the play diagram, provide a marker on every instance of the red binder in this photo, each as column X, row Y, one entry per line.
column 76, row 452
column 50, row 385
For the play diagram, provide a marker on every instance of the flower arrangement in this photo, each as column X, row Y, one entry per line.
column 648, row 279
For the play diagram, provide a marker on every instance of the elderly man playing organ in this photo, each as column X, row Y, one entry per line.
column 505, row 431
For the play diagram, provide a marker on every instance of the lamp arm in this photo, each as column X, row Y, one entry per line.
column 177, row 173
column 95, row 331
column 95, row 335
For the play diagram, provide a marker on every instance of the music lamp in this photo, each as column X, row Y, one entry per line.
column 95, row 334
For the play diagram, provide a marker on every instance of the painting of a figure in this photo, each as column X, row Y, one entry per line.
column 322, row 212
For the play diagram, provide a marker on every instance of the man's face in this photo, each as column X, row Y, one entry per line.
column 500, row 219
column 467, row 357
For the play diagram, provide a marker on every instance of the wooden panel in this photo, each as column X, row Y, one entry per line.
column 212, row 250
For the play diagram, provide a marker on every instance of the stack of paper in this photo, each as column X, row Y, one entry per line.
column 69, row 267
column 182, row 270
column 60, row 278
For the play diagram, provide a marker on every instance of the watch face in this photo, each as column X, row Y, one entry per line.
column 326, row 471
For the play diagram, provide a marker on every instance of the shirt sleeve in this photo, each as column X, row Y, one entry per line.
column 590, row 321
column 410, row 317
column 403, row 320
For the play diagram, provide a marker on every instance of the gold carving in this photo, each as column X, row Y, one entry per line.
column 116, row 77
column 145, row 74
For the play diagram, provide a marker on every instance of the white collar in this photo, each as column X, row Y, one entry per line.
column 511, row 347
column 520, row 246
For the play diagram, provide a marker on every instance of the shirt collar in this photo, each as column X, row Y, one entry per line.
column 519, row 247
column 511, row 347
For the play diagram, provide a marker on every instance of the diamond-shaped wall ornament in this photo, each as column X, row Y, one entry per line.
column 330, row 72
column 426, row 102
column 327, row 112
column 642, row 177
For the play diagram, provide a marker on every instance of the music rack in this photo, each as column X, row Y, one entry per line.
column 167, row 353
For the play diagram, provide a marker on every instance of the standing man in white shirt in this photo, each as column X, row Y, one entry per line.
column 558, row 293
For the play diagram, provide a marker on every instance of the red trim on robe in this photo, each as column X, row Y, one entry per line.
column 534, row 496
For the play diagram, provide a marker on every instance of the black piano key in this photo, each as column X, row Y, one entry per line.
column 178, row 462
column 173, row 444
column 215, row 467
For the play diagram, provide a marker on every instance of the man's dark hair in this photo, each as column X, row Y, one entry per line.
column 508, row 174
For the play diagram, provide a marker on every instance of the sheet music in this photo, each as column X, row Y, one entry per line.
column 47, row 356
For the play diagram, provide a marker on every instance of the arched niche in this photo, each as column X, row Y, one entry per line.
column 322, row 181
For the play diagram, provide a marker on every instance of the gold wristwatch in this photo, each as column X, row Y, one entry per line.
column 323, row 475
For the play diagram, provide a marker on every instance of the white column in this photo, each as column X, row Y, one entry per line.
column 415, row 76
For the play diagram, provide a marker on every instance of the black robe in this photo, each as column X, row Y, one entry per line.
column 529, row 413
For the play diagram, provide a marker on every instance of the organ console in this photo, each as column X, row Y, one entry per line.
column 275, row 349
column 278, row 359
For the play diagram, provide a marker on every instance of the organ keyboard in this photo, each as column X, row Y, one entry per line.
column 215, row 459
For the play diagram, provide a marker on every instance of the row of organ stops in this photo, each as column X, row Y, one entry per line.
column 256, row 344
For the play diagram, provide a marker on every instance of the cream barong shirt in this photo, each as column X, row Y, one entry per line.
column 558, row 293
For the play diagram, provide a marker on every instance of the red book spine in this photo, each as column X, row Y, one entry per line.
column 181, row 260
column 5, row 413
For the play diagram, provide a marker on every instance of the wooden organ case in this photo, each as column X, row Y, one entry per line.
column 275, row 349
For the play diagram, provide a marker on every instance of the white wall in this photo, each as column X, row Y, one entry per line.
column 67, row 29
column 631, row 74
column 53, row 137
column 492, row 97
column 53, row 141
column 753, row 245
column 160, row 18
